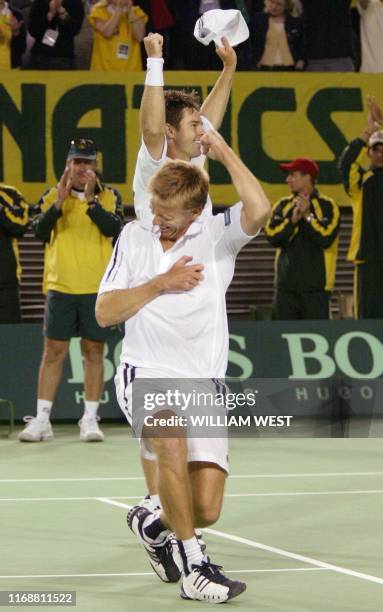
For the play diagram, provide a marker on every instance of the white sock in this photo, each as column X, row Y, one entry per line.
column 44, row 408
column 191, row 553
column 90, row 409
column 156, row 501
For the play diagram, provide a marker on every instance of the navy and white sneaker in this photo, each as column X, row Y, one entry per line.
column 207, row 583
column 165, row 559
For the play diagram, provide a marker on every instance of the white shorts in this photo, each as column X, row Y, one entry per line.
column 211, row 450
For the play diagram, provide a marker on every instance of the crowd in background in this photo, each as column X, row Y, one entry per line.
column 313, row 35
column 285, row 35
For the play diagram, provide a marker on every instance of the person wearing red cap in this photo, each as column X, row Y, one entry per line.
column 365, row 188
column 304, row 228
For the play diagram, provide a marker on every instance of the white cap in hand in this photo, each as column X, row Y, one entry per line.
column 215, row 24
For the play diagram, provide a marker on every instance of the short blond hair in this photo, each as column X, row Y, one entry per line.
column 181, row 182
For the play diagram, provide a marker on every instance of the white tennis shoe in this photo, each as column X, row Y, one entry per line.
column 89, row 430
column 207, row 583
column 36, row 430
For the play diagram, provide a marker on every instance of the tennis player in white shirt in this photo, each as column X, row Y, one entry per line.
column 171, row 125
column 173, row 122
column 167, row 281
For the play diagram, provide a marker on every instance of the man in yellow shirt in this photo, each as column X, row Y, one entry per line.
column 78, row 220
column 118, row 27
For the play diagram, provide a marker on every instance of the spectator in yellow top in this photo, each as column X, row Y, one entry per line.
column 7, row 24
column 119, row 27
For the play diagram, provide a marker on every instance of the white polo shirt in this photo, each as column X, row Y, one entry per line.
column 184, row 334
column 146, row 167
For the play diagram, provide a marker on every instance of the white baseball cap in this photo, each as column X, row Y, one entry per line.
column 214, row 24
column 376, row 138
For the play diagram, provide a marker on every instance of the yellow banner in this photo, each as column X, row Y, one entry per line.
column 271, row 118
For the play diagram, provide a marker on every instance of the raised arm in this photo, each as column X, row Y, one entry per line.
column 214, row 106
column 152, row 110
column 256, row 206
column 353, row 156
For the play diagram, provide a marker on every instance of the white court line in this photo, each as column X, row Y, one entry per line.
column 285, row 494
column 95, row 479
column 124, row 478
column 273, row 549
column 298, row 493
column 247, row 571
column 44, row 499
column 307, row 474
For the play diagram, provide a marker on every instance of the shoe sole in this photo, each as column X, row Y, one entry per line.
column 175, row 574
column 238, row 589
column 28, row 438
column 92, row 438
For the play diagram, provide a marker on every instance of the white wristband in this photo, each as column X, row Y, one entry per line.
column 154, row 71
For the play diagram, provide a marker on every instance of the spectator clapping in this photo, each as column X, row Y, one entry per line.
column 119, row 27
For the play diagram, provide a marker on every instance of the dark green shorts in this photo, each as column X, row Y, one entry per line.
column 68, row 315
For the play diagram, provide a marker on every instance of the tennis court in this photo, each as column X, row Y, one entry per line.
column 302, row 524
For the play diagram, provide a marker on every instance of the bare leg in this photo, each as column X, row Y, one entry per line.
column 208, row 484
column 93, row 353
column 150, row 470
column 174, row 485
column 51, row 367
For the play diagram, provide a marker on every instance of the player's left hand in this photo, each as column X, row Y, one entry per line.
column 227, row 54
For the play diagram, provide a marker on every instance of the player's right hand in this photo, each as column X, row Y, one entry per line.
column 153, row 45
column 181, row 276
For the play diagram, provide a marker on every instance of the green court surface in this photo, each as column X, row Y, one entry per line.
column 301, row 524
